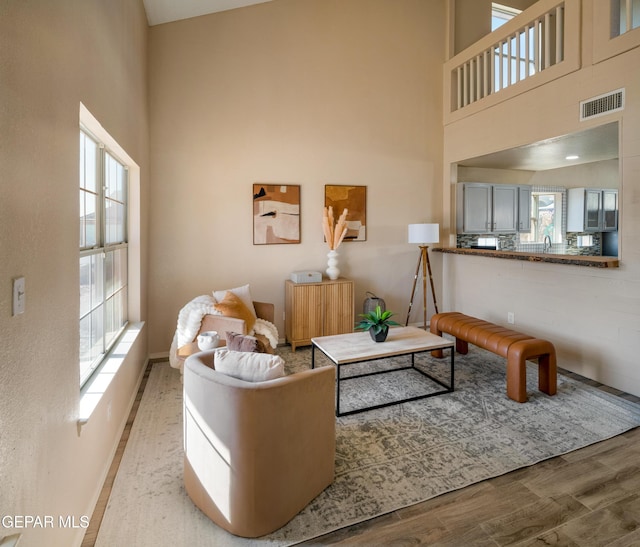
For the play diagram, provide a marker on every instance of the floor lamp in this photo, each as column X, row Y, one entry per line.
column 423, row 234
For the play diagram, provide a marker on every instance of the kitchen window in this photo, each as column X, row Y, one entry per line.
column 548, row 216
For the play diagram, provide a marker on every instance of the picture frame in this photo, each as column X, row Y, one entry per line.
column 354, row 199
column 276, row 214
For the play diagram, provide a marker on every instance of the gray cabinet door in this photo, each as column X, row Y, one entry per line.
column 593, row 210
column 524, row 208
column 505, row 208
column 609, row 210
column 477, row 208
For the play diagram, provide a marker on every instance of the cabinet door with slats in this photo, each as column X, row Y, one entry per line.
column 304, row 313
column 338, row 308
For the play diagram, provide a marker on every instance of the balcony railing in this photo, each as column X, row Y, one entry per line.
column 531, row 48
column 537, row 46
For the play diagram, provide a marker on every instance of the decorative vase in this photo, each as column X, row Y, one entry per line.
column 381, row 336
column 332, row 271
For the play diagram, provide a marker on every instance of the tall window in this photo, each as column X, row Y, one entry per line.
column 103, row 252
column 504, row 55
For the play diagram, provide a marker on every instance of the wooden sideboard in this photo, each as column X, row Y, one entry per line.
column 317, row 309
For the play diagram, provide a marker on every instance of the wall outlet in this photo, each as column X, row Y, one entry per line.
column 511, row 318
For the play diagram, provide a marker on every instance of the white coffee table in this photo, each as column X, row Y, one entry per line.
column 357, row 347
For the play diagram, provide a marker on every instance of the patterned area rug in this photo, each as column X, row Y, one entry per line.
column 386, row 459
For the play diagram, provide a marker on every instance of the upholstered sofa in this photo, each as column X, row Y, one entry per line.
column 256, row 453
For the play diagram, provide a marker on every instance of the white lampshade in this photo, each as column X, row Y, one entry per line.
column 424, row 233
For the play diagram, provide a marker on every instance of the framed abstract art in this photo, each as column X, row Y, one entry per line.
column 276, row 214
column 354, row 199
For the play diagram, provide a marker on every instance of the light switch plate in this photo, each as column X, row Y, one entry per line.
column 18, row 295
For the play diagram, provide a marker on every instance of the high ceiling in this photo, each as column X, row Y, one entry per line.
column 596, row 144
column 166, row 11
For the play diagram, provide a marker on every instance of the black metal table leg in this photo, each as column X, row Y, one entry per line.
column 453, row 351
column 447, row 388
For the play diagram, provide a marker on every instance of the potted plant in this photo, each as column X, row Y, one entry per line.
column 377, row 322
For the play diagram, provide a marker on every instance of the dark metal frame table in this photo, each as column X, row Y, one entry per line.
column 358, row 347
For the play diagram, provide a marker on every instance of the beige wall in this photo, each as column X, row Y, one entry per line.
column 600, row 174
column 311, row 93
column 472, row 22
column 591, row 315
column 53, row 55
column 473, row 19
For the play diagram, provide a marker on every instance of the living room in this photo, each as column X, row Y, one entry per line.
column 289, row 92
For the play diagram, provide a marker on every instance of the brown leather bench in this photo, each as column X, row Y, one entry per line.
column 515, row 346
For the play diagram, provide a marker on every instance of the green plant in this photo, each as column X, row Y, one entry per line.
column 376, row 320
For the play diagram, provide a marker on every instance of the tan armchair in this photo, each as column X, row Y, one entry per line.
column 255, row 454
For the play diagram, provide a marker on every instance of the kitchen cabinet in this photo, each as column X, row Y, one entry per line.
column 317, row 309
column 474, row 208
column 486, row 208
column 609, row 210
column 524, row 208
column 505, row 208
column 592, row 210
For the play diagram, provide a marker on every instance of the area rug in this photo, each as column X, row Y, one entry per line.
column 386, row 459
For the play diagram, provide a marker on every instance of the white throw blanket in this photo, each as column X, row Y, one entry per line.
column 190, row 318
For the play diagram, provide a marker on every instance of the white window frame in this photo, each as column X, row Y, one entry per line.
column 104, row 308
column 502, row 13
column 560, row 212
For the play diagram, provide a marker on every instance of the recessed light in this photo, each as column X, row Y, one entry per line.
column 571, row 157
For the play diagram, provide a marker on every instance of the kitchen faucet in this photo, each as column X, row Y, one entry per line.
column 546, row 245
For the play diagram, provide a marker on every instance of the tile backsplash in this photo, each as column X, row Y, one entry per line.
column 511, row 242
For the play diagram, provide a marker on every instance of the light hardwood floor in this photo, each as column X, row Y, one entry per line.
column 590, row 497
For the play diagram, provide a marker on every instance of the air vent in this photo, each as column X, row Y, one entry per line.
column 601, row 105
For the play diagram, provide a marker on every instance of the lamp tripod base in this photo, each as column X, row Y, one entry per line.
column 423, row 260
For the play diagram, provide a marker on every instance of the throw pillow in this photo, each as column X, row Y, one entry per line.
column 233, row 306
column 247, row 366
column 242, row 342
column 243, row 292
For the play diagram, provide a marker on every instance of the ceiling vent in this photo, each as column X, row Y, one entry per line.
column 602, row 104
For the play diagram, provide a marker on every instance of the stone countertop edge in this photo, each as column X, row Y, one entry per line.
column 589, row 261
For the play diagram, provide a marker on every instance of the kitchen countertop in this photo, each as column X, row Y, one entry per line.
column 589, row 261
